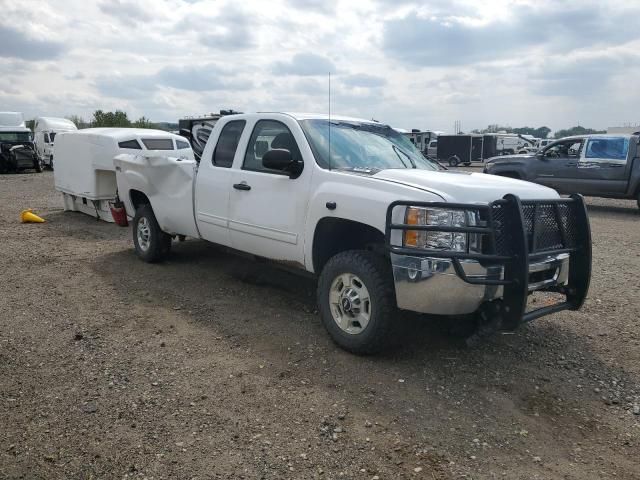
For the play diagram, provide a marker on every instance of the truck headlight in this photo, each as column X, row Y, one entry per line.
column 454, row 241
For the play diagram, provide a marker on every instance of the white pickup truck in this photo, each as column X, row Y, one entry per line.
column 381, row 226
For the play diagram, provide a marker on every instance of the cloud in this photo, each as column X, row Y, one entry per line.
column 204, row 78
column 446, row 40
column 16, row 44
column 232, row 29
column 363, row 80
column 318, row 6
column 127, row 12
column 305, row 64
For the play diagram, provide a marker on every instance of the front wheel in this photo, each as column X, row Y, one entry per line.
column 356, row 300
column 151, row 243
column 38, row 165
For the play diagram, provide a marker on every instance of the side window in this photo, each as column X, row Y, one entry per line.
column 133, row 144
column 227, row 144
column 565, row 149
column 46, row 138
column 269, row 135
column 158, row 143
column 181, row 145
column 613, row 149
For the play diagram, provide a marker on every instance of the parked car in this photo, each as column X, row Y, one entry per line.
column 354, row 203
column 45, row 131
column 593, row 165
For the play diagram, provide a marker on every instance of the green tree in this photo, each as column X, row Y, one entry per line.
column 577, row 131
column 143, row 122
column 78, row 121
column 110, row 119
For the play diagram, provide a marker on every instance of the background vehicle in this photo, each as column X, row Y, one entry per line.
column 593, row 165
column 45, row 130
column 383, row 227
column 422, row 140
column 17, row 151
column 465, row 149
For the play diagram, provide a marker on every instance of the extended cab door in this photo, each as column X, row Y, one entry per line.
column 267, row 209
column 603, row 168
column 214, row 181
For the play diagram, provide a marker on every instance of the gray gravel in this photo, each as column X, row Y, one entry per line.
column 213, row 366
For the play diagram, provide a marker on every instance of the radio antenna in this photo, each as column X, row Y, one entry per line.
column 329, row 120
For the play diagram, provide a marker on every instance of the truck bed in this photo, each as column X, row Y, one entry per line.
column 168, row 184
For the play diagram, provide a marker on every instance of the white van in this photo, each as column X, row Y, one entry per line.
column 85, row 173
column 45, row 131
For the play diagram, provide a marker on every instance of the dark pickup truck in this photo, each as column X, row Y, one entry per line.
column 593, row 165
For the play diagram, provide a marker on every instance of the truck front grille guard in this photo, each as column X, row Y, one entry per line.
column 514, row 234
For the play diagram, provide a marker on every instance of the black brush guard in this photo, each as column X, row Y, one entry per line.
column 514, row 234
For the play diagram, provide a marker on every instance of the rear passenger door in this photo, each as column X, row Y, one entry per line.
column 213, row 184
column 603, row 167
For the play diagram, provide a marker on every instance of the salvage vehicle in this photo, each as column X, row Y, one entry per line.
column 598, row 165
column 17, row 151
column 383, row 228
column 45, row 130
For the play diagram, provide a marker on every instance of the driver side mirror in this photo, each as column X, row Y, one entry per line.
column 282, row 160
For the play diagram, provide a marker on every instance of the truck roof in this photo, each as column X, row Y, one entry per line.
column 52, row 123
column 597, row 135
column 14, row 129
column 125, row 133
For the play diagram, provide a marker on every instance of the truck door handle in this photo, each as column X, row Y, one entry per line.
column 241, row 186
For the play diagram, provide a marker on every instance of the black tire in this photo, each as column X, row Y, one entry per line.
column 159, row 243
column 375, row 273
column 51, row 163
column 454, row 161
column 39, row 165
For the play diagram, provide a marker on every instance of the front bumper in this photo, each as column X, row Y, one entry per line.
column 432, row 285
column 526, row 247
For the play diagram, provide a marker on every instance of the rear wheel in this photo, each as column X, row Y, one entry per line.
column 151, row 243
column 356, row 301
column 454, row 161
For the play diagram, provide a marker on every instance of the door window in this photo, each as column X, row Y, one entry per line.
column 227, row 144
column 46, row 138
column 269, row 135
column 613, row 149
column 568, row 149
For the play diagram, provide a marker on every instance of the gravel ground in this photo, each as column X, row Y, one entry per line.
column 214, row 366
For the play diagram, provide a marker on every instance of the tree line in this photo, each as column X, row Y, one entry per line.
column 540, row 132
column 111, row 119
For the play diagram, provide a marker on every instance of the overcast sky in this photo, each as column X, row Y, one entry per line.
column 410, row 64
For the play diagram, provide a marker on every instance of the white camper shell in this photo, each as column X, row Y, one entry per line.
column 45, row 130
column 85, row 171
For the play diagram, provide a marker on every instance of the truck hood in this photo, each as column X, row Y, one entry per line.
column 465, row 187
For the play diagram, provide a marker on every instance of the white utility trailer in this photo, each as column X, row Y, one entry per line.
column 85, row 172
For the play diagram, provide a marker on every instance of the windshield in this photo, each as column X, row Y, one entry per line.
column 16, row 137
column 362, row 147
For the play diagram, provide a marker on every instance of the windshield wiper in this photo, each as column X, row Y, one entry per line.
column 400, row 151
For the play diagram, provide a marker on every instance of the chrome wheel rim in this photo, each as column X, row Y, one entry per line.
column 143, row 232
column 350, row 303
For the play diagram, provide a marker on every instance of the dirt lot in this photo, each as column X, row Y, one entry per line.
column 213, row 366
